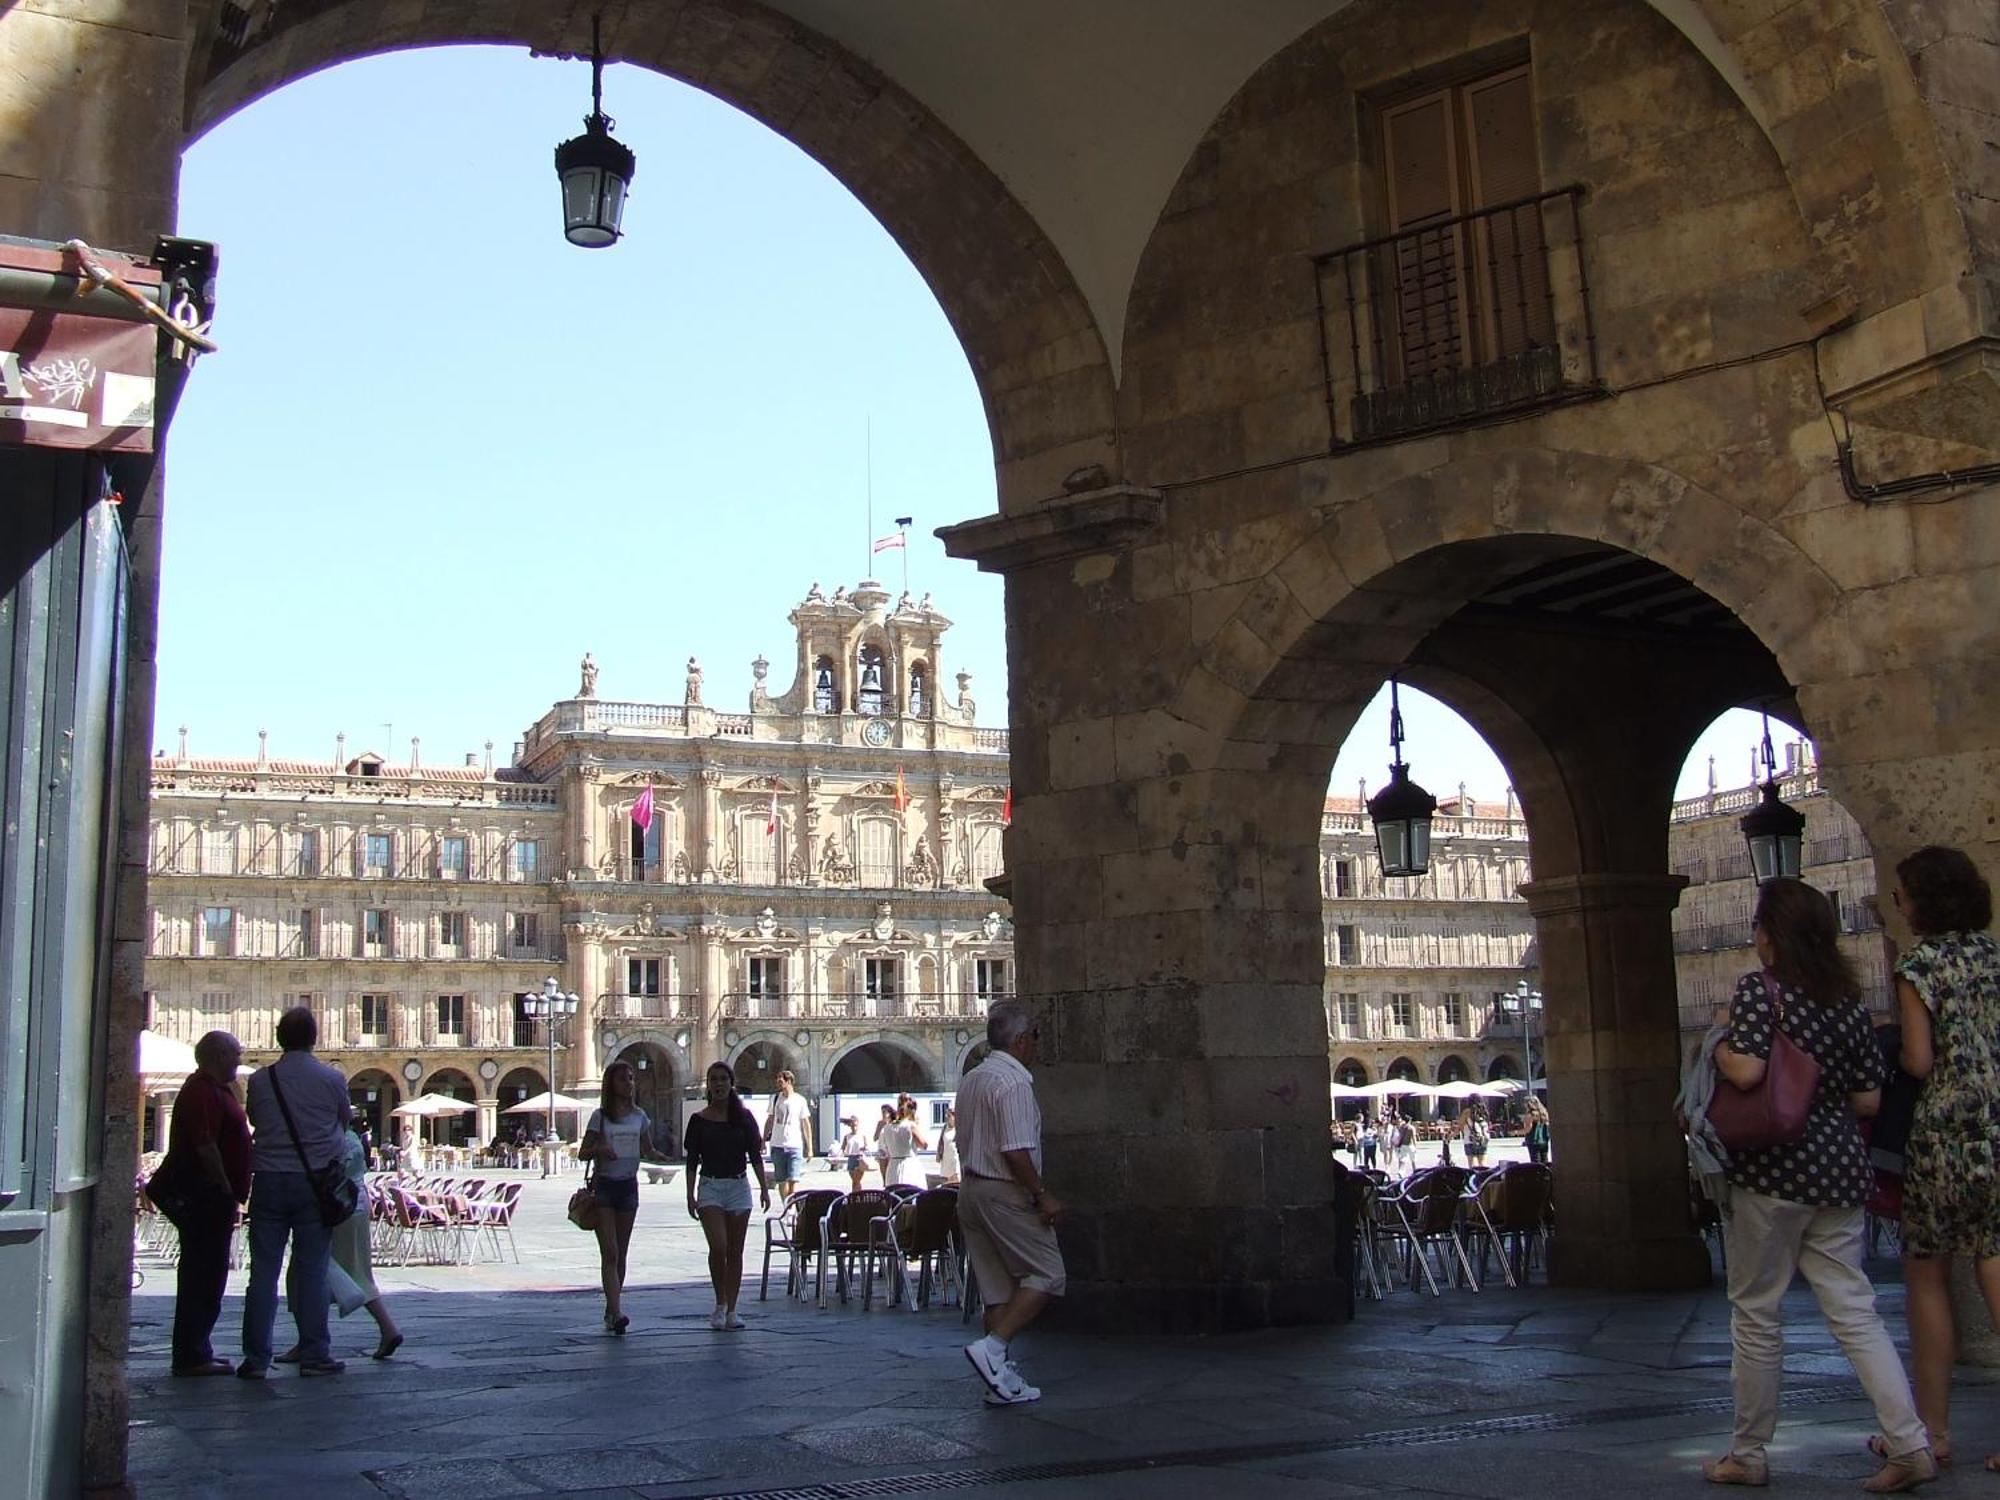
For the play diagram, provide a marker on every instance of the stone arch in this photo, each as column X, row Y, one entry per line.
column 658, row 1087
column 1351, row 1071
column 1505, row 1066
column 515, row 1085
column 759, row 1056
column 387, row 1092
column 1036, row 352
column 906, row 1065
column 452, row 1130
column 970, row 1056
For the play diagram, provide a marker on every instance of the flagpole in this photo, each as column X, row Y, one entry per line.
column 868, row 464
column 903, row 531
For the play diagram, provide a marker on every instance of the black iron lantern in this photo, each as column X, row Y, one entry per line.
column 1774, row 831
column 595, row 169
column 1402, row 810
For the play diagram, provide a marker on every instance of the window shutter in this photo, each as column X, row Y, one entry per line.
column 1504, row 165
column 1425, row 298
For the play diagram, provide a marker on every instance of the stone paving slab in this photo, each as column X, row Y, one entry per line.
column 508, row 1387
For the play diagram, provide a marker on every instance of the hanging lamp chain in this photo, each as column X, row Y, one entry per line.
column 598, row 120
column 1395, row 724
column 1770, row 756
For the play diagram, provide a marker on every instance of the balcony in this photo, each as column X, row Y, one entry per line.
column 670, row 1007
column 1458, row 321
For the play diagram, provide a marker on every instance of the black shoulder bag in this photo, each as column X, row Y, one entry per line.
column 335, row 1191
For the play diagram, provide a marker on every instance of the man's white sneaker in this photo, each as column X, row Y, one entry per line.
column 992, row 1369
column 1014, row 1391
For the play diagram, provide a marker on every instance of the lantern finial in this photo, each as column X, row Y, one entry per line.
column 1402, row 810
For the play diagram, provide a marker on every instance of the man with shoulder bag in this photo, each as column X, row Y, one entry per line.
column 298, row 1108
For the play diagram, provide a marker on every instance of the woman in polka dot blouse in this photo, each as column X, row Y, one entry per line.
column 1797, row 1207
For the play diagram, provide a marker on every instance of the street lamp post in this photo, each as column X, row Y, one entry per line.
column 552, row 1007
column 1527, row 1001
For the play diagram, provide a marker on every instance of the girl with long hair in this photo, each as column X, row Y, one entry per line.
column 1948, row 996
column 723, row 1145
column 1797, row 1207
column 616, row 1138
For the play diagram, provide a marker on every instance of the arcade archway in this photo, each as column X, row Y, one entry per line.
column 372, row 1094
column 881, row 1068
column 450, row 1130
column 656, row 1090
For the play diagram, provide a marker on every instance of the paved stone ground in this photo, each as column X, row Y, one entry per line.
column 508, row 1387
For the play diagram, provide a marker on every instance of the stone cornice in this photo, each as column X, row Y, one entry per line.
column 1102, row 520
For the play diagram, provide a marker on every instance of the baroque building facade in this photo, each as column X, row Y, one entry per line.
column 808, row 891
column 1422, row 973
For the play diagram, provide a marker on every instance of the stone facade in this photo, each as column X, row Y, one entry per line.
column 1415, row 966
column 809, row 892
column 1712, row 948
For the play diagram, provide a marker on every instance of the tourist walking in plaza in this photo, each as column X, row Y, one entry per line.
column 208, row 1149
column 854, row 1149
column 616, row 1138
column 723, row 1146
column 1006, row 1213
column 284, row 1209
column 788, row 1132
column 948, row 1149
column 901, row 1141
column 881, row 1147
column 1536, row 1136
column 1478, row 1134
column 1797, row 1207
column 350, row 1270
column 1948, row 995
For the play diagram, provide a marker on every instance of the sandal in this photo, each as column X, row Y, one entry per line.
column 1940, row 1450
column 388, row 1346
column 1904, row 1473
column 1729, row 1469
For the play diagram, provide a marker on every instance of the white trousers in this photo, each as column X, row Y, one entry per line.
column 1768, row 1240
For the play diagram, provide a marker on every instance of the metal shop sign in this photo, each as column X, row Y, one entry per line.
column 72, row 381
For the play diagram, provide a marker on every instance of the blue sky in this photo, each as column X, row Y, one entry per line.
column 443, row 453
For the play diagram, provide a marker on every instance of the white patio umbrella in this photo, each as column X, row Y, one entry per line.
column 1501, row 1088
column 163, row 1062
column 1459, row 1088
column 1350, row 1091
column 430, row 1106
column 541, row 1104
column 1392, row 1087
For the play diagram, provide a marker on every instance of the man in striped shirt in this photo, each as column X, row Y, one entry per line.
column 1006, row 1214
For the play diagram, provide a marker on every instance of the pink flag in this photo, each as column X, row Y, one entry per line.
column 642, row 810
column 889, row 543
column 772, row 825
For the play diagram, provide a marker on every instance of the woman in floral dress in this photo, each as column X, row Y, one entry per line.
column 1948, row 993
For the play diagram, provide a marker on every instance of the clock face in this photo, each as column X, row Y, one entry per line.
column 875, row 732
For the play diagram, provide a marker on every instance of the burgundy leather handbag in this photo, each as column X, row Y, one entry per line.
column 1774, row 1112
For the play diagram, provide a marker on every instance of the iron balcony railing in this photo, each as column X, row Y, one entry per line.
column 1459, row 320
column 675, row 1006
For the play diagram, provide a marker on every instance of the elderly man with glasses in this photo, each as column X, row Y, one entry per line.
column 1006, row 1213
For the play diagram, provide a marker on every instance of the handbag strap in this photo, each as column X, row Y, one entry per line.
column 286, row 1110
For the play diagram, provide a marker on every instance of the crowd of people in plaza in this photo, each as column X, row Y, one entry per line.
column 1791, row 1203
column 295, row 1133
column 1388, row 1142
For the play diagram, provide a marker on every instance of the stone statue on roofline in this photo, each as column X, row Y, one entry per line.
column 588, row 687
column 694, row 676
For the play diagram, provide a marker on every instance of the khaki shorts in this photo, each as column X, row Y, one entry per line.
column 1006, row 1240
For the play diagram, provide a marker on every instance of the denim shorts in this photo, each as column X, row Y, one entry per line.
column 730, row 1194
column 618, row 1195
column 785, row 1161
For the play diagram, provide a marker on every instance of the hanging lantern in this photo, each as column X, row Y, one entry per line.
column 1402, row 810
column 595, row 169
column 1774, row 830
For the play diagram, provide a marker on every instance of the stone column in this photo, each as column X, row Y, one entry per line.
column 706, row 1046
column 1611, row 1042
column 489, row 1117
column 584, row 977
column 708, row 800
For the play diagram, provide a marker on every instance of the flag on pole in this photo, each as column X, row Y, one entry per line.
column 902, row 794
column 642, row 810
column 889, row 543
column 772, row 825
column 1007, row 807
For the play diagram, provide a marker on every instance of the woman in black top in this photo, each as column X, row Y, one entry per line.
column 723, row 1143
column 1797, row 1207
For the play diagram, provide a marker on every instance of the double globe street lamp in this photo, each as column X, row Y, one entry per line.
column 553, row 1006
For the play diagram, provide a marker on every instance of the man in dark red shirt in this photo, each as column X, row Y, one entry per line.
column 208, row 1141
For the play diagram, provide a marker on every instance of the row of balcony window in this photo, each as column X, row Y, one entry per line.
column 386, row 1019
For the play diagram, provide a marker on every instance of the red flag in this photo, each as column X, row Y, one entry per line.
column 642, row 810
column 1007, row 807
column 772, row 825
column 902, row 796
